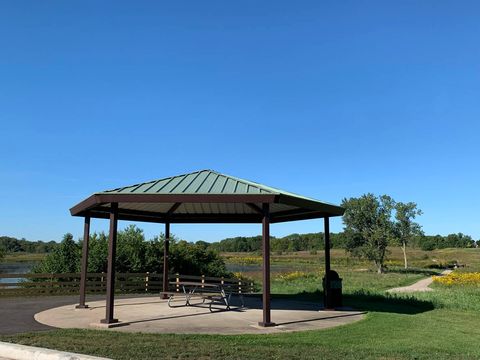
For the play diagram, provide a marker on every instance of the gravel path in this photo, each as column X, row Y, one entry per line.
column 422, row 285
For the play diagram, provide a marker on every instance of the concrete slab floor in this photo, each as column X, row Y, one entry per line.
column 152, row 315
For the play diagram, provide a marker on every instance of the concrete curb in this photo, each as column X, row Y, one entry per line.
column 22, row 352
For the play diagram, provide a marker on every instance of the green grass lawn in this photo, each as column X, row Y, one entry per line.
column 393, row 329
column 436, row 325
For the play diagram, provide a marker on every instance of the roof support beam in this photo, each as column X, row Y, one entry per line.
column 166, row 246
column 112, row 247
column 327, row 294
column 173, row 208
column 267, row 321
column 182, row 218
column 83, row 274
column 299, row 216
column 255, row 208
column 126, row 217
column 312, row 205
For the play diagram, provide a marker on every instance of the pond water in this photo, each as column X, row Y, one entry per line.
column 280, row 268
column 20, row 267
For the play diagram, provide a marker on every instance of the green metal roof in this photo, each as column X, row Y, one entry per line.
column 201, row 196
column 201, row 182
column 198, row 182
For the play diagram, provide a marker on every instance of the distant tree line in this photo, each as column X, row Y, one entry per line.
column 13, row 245
column 315, row 241
column 432, row 242
column 289, row 243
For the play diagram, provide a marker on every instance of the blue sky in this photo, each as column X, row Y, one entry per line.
column 328, row 99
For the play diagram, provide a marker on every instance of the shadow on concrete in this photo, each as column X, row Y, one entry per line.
column 120, row 305
column 207, row 312
column 360, row 301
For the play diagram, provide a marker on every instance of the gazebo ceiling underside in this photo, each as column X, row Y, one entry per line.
column 203, row 197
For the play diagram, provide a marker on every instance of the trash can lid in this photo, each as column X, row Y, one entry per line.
column 334, row 275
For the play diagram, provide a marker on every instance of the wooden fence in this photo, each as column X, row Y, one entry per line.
column 36, row 284
column 70, row 283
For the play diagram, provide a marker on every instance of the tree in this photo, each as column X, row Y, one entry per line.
column 130, row 250
column 154, row 253
column 405, row 227
column 193, row 259
column 97, row 252
column 65, row 258
column 368, row 227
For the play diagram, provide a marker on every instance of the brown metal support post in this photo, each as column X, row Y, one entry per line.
column 112, row 245
column 83, row 275
column 165, row 260
column 266, row 267
column 327, row 294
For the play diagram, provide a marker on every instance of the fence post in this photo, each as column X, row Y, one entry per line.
column 177, row 280
column 203, row 281
column 51, row 282
column 146, row 281
column 102, row 278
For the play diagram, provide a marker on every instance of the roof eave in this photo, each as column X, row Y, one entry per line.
column 84, row 205
column 103, row 198
column 328, row 209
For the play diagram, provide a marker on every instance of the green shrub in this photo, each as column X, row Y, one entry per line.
column 134, row 255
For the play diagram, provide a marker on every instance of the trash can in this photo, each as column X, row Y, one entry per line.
column 335, row 291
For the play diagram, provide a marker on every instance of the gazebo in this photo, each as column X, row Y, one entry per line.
column 204, row 196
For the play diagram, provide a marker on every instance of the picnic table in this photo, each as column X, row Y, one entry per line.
column 217, row 293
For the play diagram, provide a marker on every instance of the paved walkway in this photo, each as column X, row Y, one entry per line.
column 17, row 313
column 151, row 314
column 421, row 286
